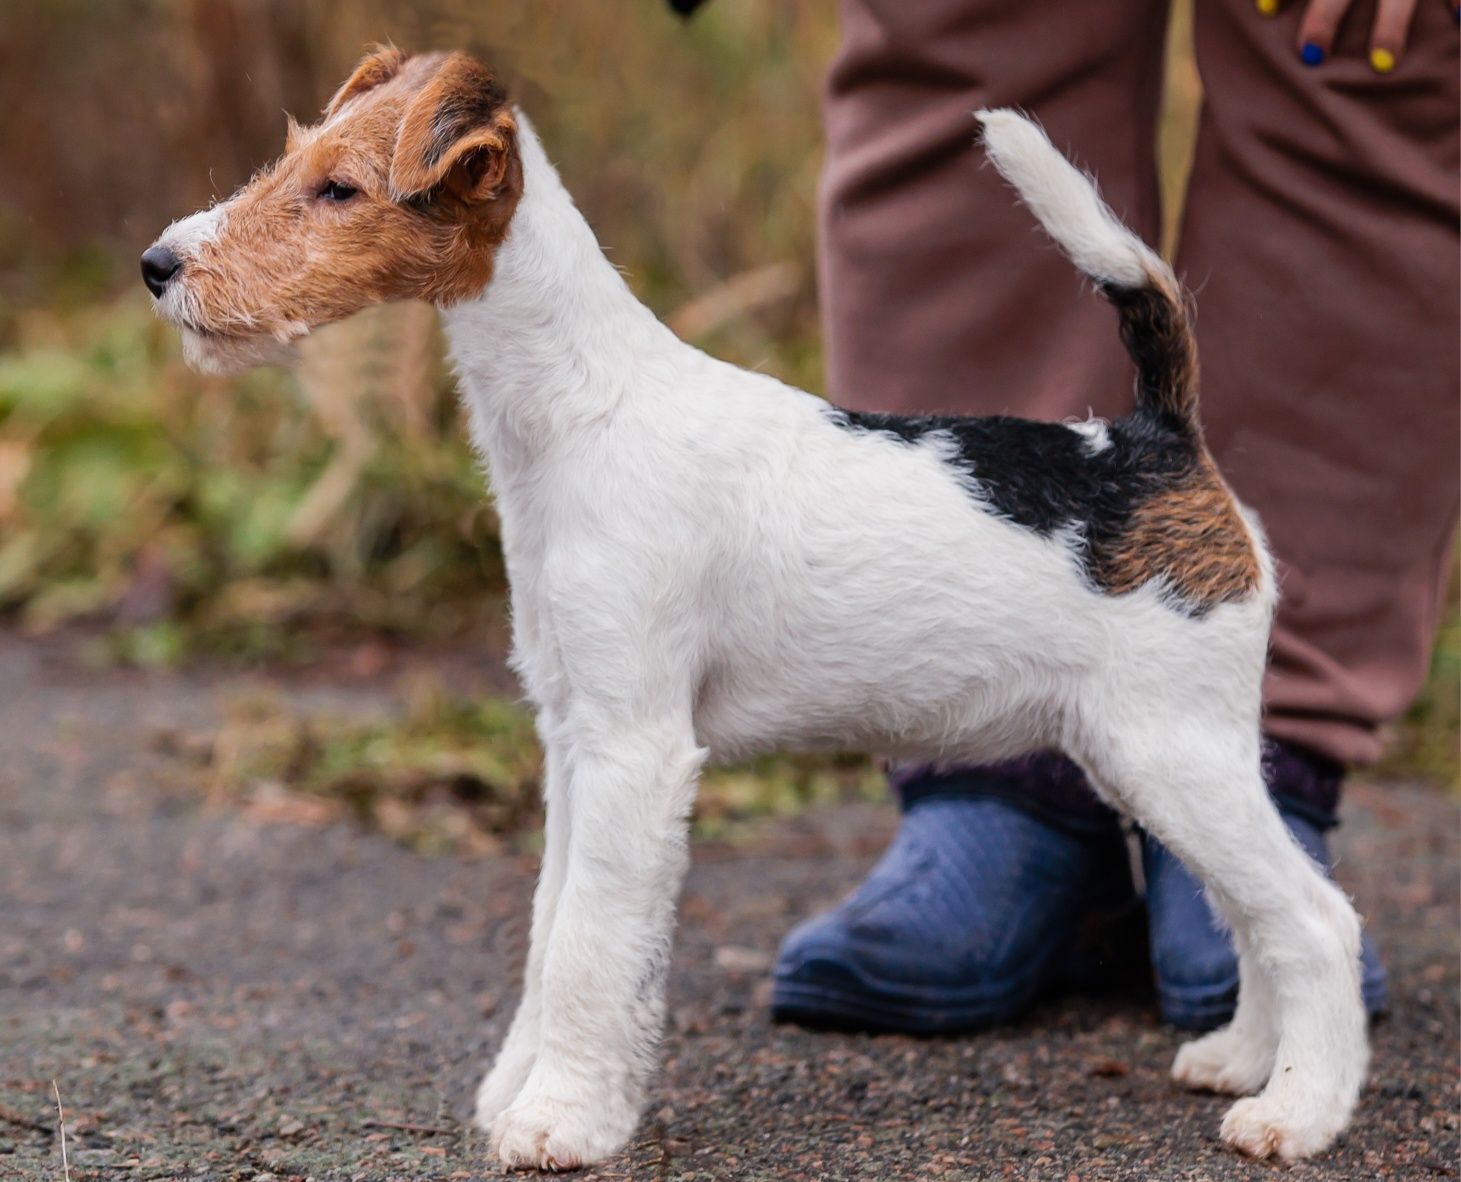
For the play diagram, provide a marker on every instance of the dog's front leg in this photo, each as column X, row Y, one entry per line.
column 603, row 976
column 520, row 1048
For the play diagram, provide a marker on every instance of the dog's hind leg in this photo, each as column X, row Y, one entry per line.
column 630, row 789
column 1238, row 1059
column 520, row 1048
column 1195, row 783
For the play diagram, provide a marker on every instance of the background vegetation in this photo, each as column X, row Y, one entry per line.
column 177, row 516
column 198, row 514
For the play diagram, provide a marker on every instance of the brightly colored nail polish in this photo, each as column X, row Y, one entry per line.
column 1267, row 7
column 1382, row 61
column 1312, row 54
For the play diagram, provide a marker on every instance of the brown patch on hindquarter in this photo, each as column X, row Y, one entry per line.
column 1190, row 532
column 1191, row 535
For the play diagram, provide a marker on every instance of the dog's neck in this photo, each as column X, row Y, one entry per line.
column 554, row 341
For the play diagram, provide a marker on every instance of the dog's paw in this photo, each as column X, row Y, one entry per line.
column 1265, row 1126
column 500, row 1086
column 1224, row 1061
column 542, row 1132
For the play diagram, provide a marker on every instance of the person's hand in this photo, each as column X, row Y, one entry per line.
column 1321, row 20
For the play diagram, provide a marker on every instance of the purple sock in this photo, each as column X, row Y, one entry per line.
column 1305, row 781
column 1046, row 783
column 1049, row 784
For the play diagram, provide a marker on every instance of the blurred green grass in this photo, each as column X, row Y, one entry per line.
column 1427, row 741
column 445, row 774
column 196, row 515
column 179, row 516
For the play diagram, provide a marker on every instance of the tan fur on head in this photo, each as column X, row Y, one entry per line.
column 404, row 190
column 381, row 65
column 455, row 134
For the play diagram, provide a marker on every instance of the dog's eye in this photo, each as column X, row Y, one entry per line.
column 338, row 191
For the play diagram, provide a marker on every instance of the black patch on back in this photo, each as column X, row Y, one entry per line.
column 1045, row 476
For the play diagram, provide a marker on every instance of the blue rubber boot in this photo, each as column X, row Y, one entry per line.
column 963, row 923
column 1193, row 958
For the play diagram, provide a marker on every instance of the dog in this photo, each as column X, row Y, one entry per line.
column 708, row 564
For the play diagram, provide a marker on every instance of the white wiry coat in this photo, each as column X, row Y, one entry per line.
column 705, row 565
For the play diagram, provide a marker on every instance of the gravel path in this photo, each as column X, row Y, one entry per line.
column 224, row 999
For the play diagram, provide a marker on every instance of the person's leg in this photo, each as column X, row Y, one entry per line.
column 938, row 295
column 1320, row 231
column 1320, row 234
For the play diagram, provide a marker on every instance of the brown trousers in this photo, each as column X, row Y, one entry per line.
column 1320, row 236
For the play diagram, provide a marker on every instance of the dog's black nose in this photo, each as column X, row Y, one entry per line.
column 158, row 266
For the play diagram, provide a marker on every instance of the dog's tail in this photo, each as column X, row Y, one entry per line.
column 1154, row 319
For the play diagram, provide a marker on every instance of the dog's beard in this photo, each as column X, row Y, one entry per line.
column 237, row 344
column 229, row 355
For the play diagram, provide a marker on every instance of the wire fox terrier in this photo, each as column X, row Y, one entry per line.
column 707, row 564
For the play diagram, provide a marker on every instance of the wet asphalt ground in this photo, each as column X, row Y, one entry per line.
column 219, row 997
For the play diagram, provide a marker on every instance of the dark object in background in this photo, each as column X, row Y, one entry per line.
column 686, row 7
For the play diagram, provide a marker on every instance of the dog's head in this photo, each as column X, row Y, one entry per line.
column 403, row 190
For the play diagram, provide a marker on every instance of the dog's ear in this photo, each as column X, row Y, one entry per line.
column 381, row 65
column 456, row 135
